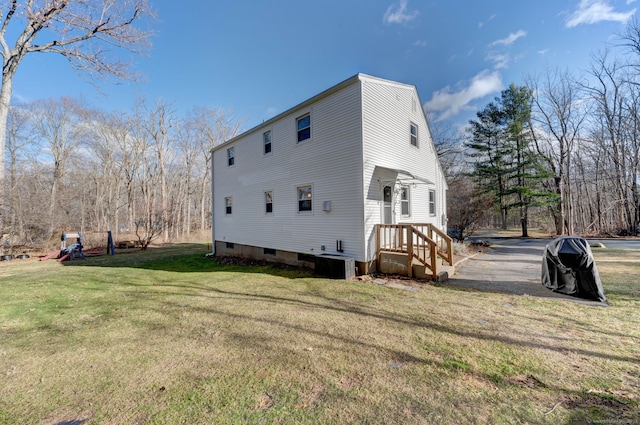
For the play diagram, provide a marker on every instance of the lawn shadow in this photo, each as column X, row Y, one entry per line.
column 521, row 288
column 189, row 258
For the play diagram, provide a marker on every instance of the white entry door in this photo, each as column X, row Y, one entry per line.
column 387, row 201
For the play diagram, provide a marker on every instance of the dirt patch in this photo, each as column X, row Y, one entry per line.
column 609, row 404
column 528, row 381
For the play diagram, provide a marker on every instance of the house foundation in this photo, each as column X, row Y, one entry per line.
column 324, row 265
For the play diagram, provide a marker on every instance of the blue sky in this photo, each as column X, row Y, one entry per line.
column 259, row 58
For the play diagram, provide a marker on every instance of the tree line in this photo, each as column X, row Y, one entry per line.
column 144, row 173
column 561, row 150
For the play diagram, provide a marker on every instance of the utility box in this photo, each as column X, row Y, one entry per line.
column 335, row 266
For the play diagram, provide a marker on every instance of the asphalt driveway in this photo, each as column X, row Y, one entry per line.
column 511, row 265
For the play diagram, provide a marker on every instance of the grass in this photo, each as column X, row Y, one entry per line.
column 168, row 336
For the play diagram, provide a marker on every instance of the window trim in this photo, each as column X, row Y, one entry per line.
column 265, row 143
column 268, row 204
column 413, row 137
column 231, row 156
column 407, row 201
column 299, row 130
column 299, row 201
column 432, row 203
column 228, row 205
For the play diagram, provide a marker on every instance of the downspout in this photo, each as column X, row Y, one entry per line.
column 213, row 210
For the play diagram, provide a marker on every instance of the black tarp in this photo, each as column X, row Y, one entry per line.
column 568, row 267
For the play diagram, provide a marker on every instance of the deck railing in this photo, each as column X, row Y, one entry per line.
column 424, row 242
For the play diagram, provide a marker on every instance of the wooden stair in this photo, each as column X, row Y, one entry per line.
column 396, row 263
column 414, row 249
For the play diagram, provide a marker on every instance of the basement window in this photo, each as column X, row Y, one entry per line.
column 306, row 257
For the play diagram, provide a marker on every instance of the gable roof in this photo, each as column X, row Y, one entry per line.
column 349, row 81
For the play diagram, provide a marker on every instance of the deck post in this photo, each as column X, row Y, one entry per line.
column 409, row 231
column 377, row 247
column 434, row 267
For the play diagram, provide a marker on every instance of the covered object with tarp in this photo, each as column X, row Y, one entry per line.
column 568, row 267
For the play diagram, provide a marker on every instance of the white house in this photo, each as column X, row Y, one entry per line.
column 317, row 179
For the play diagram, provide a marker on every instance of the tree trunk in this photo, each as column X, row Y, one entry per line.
column 5, row 100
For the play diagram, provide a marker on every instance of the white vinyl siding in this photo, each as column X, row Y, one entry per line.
column 387, row 109
column 334, row 157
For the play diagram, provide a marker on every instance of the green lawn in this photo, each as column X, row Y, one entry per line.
column 169, row 337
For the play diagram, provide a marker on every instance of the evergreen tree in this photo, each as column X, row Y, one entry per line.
column 504, row 164
column 490, row 163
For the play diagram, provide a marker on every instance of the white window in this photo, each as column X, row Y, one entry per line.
column 305, row 199
column 303, row 125
column 266, row 141
column 228, row 205
column 414, row 134
column 231, row 157
column 268, row 202
column 432, row 202
column 405, row 200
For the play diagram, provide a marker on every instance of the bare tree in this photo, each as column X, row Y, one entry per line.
column 448, row 141
column 209, row 127
column 60, row 125
column 611, row 97
column 18, row 138
column 467, row 207
column 109, row 145
column 83, row 31
column 558, row 117
column 159, row 123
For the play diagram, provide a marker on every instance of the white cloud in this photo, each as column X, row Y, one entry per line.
column 398, row 14
column 593, row 11
column 446, row 103
column 500, row 61
column 420, row 43
column 510, row 39
column 481, row 23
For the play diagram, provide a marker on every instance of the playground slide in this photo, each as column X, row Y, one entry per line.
column 64, row 257
column 49, row 255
